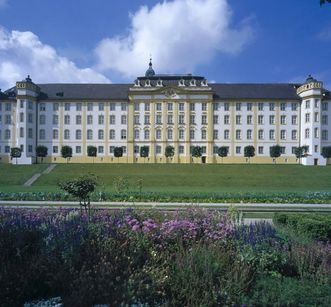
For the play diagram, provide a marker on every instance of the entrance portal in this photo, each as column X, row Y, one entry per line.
column 315, row 161
column 203, row 159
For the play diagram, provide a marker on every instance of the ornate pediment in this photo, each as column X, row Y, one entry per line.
column 170, row 93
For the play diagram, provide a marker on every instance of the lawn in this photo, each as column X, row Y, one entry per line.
column 178, row 178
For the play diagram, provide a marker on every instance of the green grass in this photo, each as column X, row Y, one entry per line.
column 178, row 178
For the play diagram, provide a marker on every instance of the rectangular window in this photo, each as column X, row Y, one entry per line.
column 260, row 119
column 8, row 119
column 101, row 106
column 283, row 119
column 215, row 106
column 123, row 134
column 238, row 134
column 324, row 119
column 271, row 134
column 181, row 106
column 249, row 134
column 294, row 106
column 42, row 134
column 260, row 134
column 249, row 119
column 294, row 134
column 123, row 119
column 271, row 119
column 226, row 106
column 78, row 106
column 30, row 148
column 100, row 149
column 158, row 134
column 181, row 119
column 192, row 134
column 215, row 119
column 226, row 119
column 181, row 149
column 316, row 103
column 238, row 106
column 21, row 132
column 158, row 107
column 204, row 119
column 100, row 134
column 55, row 119
column 307, row 117
column 316, row 117
column 112, row 106
column 271, row 106
column 78, row 134
column 192, row 119
column 30, row 133
column 78, row 149
column 282, row 150
column 238, row 119
column 55, row 134
column 170, row 119
column 101, row 119
column 8, row 107
column 324, row 106
column 21, row 117
column 283, row 134
column 146, row 120
column 42, row 107
column 147, row 106
column 112, row 120
column 67, row 106
column 294, row 120
column 260, row 150
column 111, row 149
column 158, row 149
column 260, row 106
column 192, row 107
column 78, row 119
column 249, row 106
column 55, row 149
column 90, row 106
column 56, row 107
column 159, row 119
column 226, row 134
column 204, row 106
column 283, row 106
column 170, row 106
column 123, row 107
column 238, row 150
column 307, row 104
column 215, row 134
column 324, row 135
column 136, row 119
column 67, row 119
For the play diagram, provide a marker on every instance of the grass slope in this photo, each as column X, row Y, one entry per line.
column 181, row 178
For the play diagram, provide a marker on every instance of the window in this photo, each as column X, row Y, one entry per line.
column 181, row 134
column 249, row 106
column 316, row 148
column 215, row 106
column 123, row 119
column 112, row 134
column 271, row 119
column 215, row 119
column 101, row 134
column 271, row 106
column 55, row 119
column 294, row 106
column 260, row 106
column 192, row 119
column 42, row 107
column 55, row 107
column 170, row 134
column 307, row 133
column 21, row 132
column 146, row 134
column 123, row 107
column 78, row 106
column 249, row 134
column 124, row 149
column 181, row 149
column 30, row 149
column 101, row 106
column 136, row 149
column 123, row 134
column 159, row 119
column 55, row 134
column 324, row 106
column 158, row 149
column 294, row 134
column 21, row 117
column 238, row 119
column 238, row 134
column 204, row 119
column 147, row 106
column 238, row 150
column 294, row 120
column 307, row 117
column 203, row 134
column 78, row 149
column 324, row 135
column 192, row 107
column 111, row 149
column 146, row 120
column 316, row 117
column 226, row 134
column 78, row 119
column 215, row 134
column 100, row 149
column 249, row 119
column 170, row 106
column 158, row 134
column 324, row 119
column 30, row 133
column 316, row 103
column 170, row 119
column 271, row 134
column 89, row 134
column 8, row 107
column 283, row 106
column 260, row 119
column 283, row 119
column 158, row 107
column 261, row 134
column 181, row 106
column 136, row 119
column 238, row 106
column 113, row 105
column 78, row 134
column 8, row 119
column 260, row 150
column 67, row 119
column 204, row 106
column 282, row 150
column 283, row 134
column 101, row 119
column 316, row 133
column 42, row 119
column 181, row 119
column 307, row 104
column 90, row 106
column 226, row 106
column 192, row 134
column 215, row 150
column 136, row 134
column 66, row 134
column 226, row 119
column 67, row 106
column 55, row 149
column 112, row 120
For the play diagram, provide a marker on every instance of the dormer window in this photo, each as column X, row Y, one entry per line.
column 159, row 83
column 192, row 82
column 136, row 83
column 148, row 82
column 204, row 82
column 181, row 82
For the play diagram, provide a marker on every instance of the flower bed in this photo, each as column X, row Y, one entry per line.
column 136, row 258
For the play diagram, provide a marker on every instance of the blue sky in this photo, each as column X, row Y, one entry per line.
column 110, row 41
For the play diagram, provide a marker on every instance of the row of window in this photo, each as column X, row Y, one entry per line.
column 316, row 118
column 78, row 134
column 89, row 119
column 78, row 106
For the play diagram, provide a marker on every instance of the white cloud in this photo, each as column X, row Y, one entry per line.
column 180, row 35
column 22, row 53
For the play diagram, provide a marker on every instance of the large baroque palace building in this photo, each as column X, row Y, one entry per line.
column 160, row 110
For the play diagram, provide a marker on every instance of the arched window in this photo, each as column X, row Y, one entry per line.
column 67, row 134
column 78, row 134
column 146, row 134
column 89, row 134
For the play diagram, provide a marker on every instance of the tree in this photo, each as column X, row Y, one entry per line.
column 223, row 151
column 326, row 152
column 15, row 152
column 144, row 152
column 169, row 151
column 66, row 152
column 196, row 151
column 41, row 152
column 81, row 188
column 92, row 152
column 249, row 152
column 275, row 151
column 301, row 152
column 118, row 152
